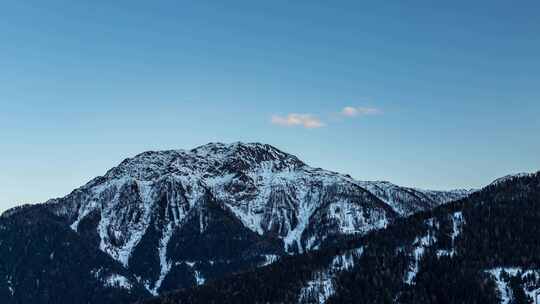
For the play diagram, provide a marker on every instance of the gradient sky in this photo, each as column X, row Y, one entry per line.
column 445, row 94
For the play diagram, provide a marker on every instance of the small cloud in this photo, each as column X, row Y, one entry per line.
column 359, row 111
column 305, row 120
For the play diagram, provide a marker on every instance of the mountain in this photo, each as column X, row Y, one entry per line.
column 164, row 220
column 479, row 249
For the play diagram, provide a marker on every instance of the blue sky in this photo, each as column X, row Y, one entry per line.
column 440, row 95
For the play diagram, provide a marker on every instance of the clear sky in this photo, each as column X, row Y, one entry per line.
column 434, row 94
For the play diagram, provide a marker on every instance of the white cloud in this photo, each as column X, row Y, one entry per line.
column 310, row 121
column 359, row 111
column 305, row 120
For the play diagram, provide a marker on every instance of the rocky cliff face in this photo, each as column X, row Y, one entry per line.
column 178, row 218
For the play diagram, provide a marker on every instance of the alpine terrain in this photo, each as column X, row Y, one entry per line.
column 479, row 249
column 167, row 220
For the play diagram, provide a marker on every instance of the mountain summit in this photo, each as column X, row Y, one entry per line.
column 213, row 159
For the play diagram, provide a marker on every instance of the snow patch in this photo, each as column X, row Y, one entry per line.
column 269, row 259
column 305, row 210
column 199, row 279
column 419, row 247
column 10, row 285
column 165, row 265
column 531, row 289
column 321, row 286
column 112, row 280
column 457, row 227
column 118, row 281
column 320, row 289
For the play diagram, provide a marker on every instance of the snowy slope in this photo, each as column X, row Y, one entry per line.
column 153, row 207
column 406, row 201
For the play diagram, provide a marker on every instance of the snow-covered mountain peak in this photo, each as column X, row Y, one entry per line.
column 210, row 160
column 256, row 152
column 152, row 200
